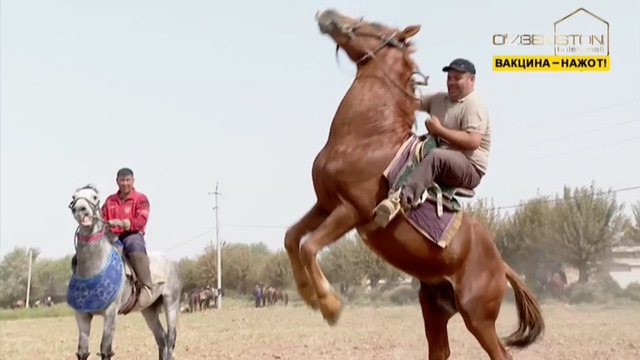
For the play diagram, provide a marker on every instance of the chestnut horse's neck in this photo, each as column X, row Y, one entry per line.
column 380, row 102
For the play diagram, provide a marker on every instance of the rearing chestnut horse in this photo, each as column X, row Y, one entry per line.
column 372, row 123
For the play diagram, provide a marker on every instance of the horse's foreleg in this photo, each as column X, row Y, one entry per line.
column 152, row 318
column 341, row 220
column 108, row 329
column 309, row 222
column 84, row 328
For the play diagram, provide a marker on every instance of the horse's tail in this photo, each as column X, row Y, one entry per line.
column 529, row 313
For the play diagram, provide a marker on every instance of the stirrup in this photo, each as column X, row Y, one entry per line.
column 387, row 209
column 438, row 191
column 146, row 294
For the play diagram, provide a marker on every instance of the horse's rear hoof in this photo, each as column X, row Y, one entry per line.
column 331, row 308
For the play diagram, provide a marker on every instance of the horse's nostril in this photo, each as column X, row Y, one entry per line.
column 83, row 208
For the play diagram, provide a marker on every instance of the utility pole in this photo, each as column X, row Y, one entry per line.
column 26, row 304
column 219, row 253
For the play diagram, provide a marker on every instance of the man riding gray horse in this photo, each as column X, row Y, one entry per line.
column 103, row 283
column 127, row 212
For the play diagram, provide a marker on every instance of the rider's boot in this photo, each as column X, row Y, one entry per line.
column 387, row 209
column 140, row 263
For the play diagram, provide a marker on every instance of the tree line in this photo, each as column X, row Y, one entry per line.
column 579, row 227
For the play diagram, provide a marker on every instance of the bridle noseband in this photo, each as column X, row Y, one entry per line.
column 354, row 31
column 95, row 208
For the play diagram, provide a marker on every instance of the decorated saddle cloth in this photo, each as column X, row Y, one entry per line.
column 438, row 216
column 95, row 293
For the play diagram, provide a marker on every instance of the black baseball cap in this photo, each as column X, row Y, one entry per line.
column 463, row 65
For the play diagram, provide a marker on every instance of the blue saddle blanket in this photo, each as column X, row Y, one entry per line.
column 98, row 291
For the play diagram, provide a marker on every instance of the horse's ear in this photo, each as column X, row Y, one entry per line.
column 92, row 187
column 409, row 32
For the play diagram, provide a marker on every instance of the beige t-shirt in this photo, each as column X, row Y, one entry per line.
column 467, row 114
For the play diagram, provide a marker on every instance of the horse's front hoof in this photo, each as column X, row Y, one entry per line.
column 309, row 296
column 330, row 308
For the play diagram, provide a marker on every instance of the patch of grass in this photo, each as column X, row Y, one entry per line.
column 59, row 310
column 387, row 332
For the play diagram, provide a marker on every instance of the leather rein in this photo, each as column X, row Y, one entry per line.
column 354, row 31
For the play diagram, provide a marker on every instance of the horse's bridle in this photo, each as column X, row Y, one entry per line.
column 95, row 208
column 353, row 31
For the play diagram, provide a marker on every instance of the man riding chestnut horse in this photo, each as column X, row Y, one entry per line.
column 460, row 121
column 372, row 157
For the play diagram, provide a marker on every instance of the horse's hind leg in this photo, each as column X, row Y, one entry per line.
column 152, row 318
column 309, row 222
column 341, row 220
column 438, row 306
column 171, row 309
column 84, row 329
column 479, row 299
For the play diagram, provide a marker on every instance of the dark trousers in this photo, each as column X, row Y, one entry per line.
column 443, row 166
column 133, row 242
column 447, row 167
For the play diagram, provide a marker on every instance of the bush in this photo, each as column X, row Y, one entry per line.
column 589, row 292
column 601, row 289
column 402, row 295
column 632, row 292
column 58, row 310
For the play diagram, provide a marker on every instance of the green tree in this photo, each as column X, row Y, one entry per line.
column 190, row 275
column 14, row 271
column 524, row 237
column 241, row 266
column 349, row 260
column 587, row 225
column 486, row 213
column 372, row 266
column 277, row 270
column 50, row 277
column 339, row 261
column 631, row 235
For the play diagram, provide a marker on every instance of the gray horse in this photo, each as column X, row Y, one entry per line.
column 104, row 282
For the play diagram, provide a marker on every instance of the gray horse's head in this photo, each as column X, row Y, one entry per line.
column 85, row 205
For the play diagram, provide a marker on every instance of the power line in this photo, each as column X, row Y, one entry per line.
column 609, row 144
column 285, row 227
column 563, row 119
column 571, row 197
column 185, row 242
column 582, row 133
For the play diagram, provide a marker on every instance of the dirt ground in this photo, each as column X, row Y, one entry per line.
column 295, row 332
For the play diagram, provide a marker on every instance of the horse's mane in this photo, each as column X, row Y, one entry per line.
column 409, row 50
column 90, row 186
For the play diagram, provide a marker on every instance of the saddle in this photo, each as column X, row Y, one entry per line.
column 444, row 197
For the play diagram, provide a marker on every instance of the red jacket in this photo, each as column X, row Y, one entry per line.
column 134, row 207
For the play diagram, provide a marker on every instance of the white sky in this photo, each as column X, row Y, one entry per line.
column 243, row 92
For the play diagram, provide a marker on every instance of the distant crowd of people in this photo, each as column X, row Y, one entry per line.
column 268, row 295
